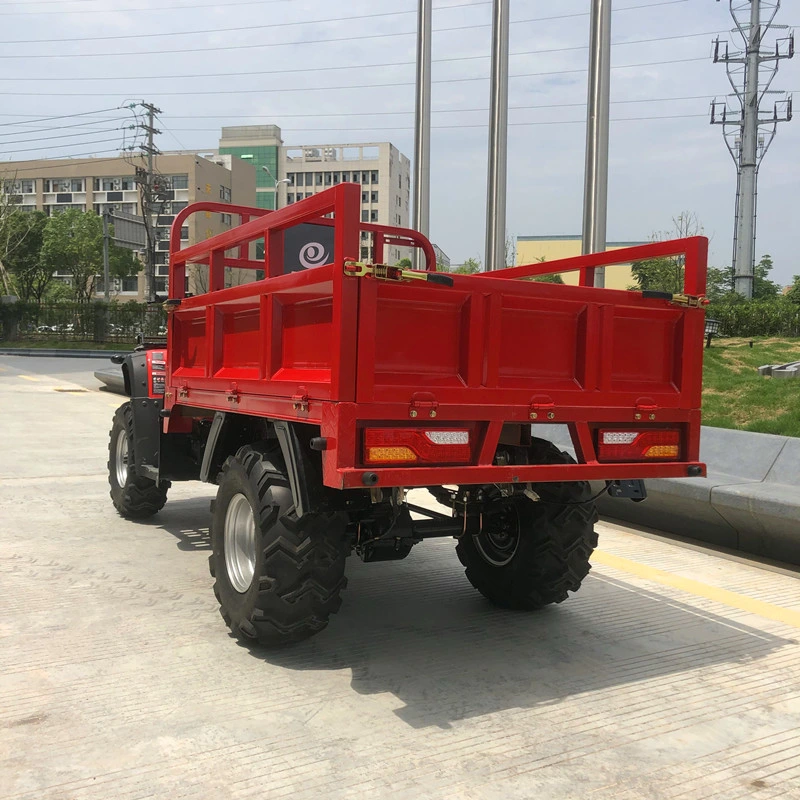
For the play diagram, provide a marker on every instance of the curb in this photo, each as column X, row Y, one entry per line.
column 44, row 353
column 747, row 503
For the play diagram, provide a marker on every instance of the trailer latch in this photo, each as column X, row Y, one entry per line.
column 233, row 394
column 300, row 402
column 688, row 300
column 358, row 269
column 183, row 391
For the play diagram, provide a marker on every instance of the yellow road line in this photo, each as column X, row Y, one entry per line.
column 728, row 598
column 28, row 378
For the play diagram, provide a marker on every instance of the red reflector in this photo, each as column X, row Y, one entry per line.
column 638, row 445
column 411, row 445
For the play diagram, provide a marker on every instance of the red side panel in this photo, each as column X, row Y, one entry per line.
column 499, row 342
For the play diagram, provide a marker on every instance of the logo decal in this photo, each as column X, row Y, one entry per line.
column 313, row 255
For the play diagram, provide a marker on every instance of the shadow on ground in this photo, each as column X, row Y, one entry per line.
column 418, row 630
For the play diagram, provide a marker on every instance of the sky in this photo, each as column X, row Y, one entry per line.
column 344, row 73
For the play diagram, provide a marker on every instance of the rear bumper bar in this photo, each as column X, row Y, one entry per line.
column 529, row 473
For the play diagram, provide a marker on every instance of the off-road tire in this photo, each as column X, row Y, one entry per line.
column 299, row 562
column 137, row 497
column 556, row 541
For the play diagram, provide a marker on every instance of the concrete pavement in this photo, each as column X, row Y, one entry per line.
column 673, row 673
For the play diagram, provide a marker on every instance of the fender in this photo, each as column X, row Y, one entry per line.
column 304, row 468
column 144, row 373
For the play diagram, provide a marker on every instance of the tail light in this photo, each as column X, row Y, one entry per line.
column 412, row 446
column 638, row 445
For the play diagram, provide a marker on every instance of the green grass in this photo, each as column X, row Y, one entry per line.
column 66, row 344
column 736, row 396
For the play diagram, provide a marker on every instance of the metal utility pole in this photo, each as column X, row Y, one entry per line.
column 747, row 133
column 498, row 141
column 106, row 270
column 595, row 186
column 422, row 122
column 147, row 197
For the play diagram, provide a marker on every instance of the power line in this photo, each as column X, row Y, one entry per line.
column 121, row 10
column 474, row 125
column 60, row 116
column 339, row 68
column 266, row 2
column 233, row 30
column 262, row 45
column 60, row 127
column 434, row 111
column 57, row 146
column 173, row 131
column 68, row 157
column 61, row 136
column 339, row 88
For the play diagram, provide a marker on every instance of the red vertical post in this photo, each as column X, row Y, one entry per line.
column 216, row 271
column 346, row 243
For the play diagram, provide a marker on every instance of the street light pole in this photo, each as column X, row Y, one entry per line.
column 498, row 140
column 422, row 122
column 595, row 189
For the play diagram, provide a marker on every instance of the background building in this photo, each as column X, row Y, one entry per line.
column 442, row 259
column 95, row 184
column 259, row 145
column 300, row 171
column 551, row 248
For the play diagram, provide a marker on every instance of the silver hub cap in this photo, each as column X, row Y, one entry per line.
column 121, row 458
column 240, row 543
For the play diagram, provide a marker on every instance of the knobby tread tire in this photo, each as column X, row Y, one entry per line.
column 300, row 561
column 557, row 539
column 140, row 497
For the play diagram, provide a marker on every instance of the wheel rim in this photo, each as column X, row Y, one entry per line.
column 121, row 458
column 240, row 543
column 499, row 538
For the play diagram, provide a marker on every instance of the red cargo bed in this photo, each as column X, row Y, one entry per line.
column 351, row 353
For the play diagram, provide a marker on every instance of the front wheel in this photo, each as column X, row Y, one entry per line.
column 528, row 553
column 278, row 576
column 134, row 497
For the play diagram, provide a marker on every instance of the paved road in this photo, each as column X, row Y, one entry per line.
column 673, row 673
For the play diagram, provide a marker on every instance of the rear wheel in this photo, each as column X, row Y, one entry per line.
column 529, row 553
column 133, row 496
column 278, row 576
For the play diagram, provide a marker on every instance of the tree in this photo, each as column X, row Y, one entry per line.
column 719, row 284
column 469, row 267
column 73, row 244
column 553, row 277
column 794, row 290
column 666, row 274
column 763, row 287
column 405, row 263
column 20, row 249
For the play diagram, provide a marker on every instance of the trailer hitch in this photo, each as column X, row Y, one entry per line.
column 358, row 269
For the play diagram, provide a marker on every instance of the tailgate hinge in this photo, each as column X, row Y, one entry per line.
column 423, row 402
column 542, row 405
column 233, row 394
column 645, row 409
column 183, row 391
column 300, row 401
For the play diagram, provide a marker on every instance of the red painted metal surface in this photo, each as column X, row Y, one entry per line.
column 347, row 353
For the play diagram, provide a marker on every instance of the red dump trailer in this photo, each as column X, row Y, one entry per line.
column 318, row 394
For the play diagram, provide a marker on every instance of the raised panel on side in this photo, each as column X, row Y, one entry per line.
column 188, row 343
